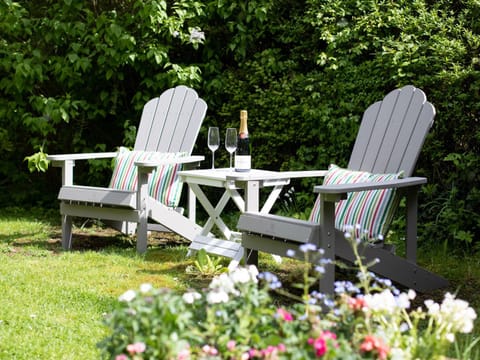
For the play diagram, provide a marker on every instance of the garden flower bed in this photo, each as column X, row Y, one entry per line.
column 236, row 317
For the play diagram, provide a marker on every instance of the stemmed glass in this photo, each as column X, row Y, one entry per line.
column 213, row 142
column 231, row 142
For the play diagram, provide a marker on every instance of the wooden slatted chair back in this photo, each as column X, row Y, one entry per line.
column 171, row 122
column 392, row 132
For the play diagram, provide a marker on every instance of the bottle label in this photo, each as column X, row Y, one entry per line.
column 243, row 162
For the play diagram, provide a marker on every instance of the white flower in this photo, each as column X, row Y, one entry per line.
column 252, row 269
column 450, row 337
column 240, row 275
column 191, row 296
column 383, row 302
column 453, row 314
column 458, row 313
column 217, row 296
column 432, row 307
column 411, row 294
column 127, row 296
column 224, row 283
column 146, row 288
column 196, row 35
column 403, row 301
column 398, row 354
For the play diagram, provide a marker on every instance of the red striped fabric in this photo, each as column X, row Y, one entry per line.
column 369, row 212
column 163, row 184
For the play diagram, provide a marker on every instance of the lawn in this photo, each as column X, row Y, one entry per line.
column 53, row 301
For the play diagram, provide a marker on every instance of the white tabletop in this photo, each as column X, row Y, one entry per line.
column 224, row 174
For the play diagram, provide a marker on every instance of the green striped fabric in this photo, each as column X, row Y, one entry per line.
column 164, row 184
column 369, row 212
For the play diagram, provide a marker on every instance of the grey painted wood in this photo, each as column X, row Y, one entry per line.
column 220, row 247
column 105, row 196
column 390, row 139
column 389, row 184
column 392, row 132
column 97, row 212
column 279, row 227
column 169, row 123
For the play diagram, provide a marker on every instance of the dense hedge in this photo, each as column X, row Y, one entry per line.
column 75, row 75
column 317, row 65
column 305, row 70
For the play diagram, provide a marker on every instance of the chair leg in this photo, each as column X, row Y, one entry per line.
column 251, row 257
column 66, row 232
column 142, row 203
column 326, row 241
column 400, row 270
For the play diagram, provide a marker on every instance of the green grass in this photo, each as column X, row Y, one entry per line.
column 52, row 302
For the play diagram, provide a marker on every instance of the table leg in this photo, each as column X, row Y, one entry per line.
column 213, row 212
column 272, row 198
column 252, row 195
column 192, row 205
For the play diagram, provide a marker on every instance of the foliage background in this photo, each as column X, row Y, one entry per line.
column 75, row 75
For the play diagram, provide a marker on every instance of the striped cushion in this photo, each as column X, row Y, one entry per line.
column 163, row 184
column 369, row 211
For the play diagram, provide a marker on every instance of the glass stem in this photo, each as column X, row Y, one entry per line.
column 213, row 159
column 230, row 161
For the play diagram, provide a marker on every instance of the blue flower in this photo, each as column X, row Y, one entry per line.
column 270, row 279
column 307, row 247
column 342, row 287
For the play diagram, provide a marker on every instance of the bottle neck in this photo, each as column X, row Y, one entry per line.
column 243, row 122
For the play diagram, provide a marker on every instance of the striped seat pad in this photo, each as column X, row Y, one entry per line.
column 163, row 184
column 369, row 212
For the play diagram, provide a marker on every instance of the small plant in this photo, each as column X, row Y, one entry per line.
column 235, row 317
column 206, row 265
column 290, row 205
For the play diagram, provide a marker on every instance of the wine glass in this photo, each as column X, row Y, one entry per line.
column 213, row 142
column 231, row 142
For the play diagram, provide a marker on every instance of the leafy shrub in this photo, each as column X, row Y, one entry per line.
column 74, row 74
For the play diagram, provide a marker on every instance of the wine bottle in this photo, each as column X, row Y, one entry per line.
column 243, row 160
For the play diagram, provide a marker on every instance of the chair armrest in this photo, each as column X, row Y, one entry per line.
column 67, row 162
column 390, row 184
column 180, row 160
column 82, row 156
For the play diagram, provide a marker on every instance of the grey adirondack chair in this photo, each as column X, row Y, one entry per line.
column 389, row 140
column 169, row 124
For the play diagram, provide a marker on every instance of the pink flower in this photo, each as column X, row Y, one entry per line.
column 231, row 345
column 356, row 304
column 320, row 343
column 136, row 348
column 270, row 352
column 329, row 335
column 183, row 354
column 209, row 350
column 375, row 345
column 121, row 357
column 285, row 315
